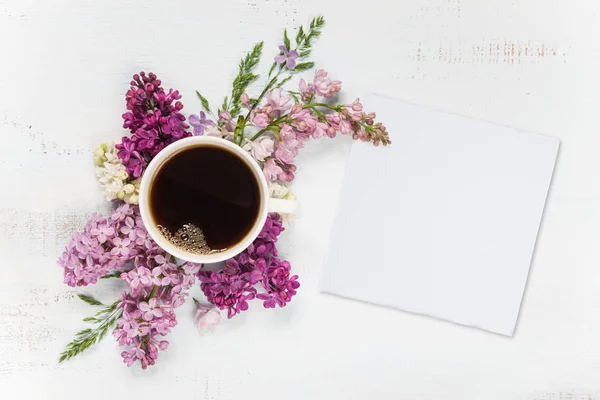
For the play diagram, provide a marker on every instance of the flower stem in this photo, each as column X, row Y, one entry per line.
column 265, row 90
column 278, row 121
column 152, row 292
column 313, row 105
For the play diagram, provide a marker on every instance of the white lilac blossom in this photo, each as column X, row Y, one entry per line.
column 113, row 176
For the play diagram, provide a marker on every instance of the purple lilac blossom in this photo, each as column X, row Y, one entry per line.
column 255, row 273
column 154, row 119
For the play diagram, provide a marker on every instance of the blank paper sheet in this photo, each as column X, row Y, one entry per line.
column 444, row 221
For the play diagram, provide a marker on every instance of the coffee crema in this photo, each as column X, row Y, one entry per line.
column 204, row 199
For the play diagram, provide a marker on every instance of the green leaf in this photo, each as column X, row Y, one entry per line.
column 286, row 40
column 300, row 35
column 225, row 103
column 272, row 69
column 203, row 101
column 304, row 66
column 88, row 337
column 90, row 300
column 244, row 77
column 116, row 274
column 295, row 96
column 304, row 53
column 283, row 82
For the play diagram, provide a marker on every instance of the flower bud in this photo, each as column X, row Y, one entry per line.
column 134, row 199
column 121, row 195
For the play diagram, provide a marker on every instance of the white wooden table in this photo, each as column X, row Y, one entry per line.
column 64, row 69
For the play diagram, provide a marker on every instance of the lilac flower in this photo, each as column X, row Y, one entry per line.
column 199, row 122
column 121, row 247
column 102, row 232
column 288, row 57
column 232, row 288
column 150, row 309
column 148, row 137
column 154, row 120
column 126, row 148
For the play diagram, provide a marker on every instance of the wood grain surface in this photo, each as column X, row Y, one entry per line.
column 64, row 69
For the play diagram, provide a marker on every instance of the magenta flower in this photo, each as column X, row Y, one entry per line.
column 147, row 138
column 126, row 148
column 256, row 265
column 288, row 57
column 199, row 122
column 154, row 120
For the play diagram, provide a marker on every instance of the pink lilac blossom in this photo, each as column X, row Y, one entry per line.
column 156, row 285
column 154, row 120
column 255, row 273
column 206, row 318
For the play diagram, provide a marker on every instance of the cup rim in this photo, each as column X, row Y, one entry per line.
column 153, row 168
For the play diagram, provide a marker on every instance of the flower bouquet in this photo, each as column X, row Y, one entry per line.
column 272, row 126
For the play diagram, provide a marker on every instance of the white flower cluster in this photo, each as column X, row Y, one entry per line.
column 113, row 175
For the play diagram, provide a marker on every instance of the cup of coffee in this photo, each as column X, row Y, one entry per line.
column 205, row 199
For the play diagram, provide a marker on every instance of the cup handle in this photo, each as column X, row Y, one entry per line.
column 282, row 206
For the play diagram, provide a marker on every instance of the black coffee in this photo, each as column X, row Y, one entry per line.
column 204, row 199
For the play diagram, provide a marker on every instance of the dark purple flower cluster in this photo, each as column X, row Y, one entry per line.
column 233, row 287
column 154, row 119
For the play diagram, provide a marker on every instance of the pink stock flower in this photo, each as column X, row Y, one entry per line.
column 277, row 101
column 261, row 148
column 324, row 86
column 260, row 118
column 271, row 170
column 307, row 91
column 287, row 149
column 244, row 99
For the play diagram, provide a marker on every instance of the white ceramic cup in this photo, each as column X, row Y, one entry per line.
column 267, row 204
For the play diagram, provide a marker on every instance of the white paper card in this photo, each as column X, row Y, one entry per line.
column 443, row 222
